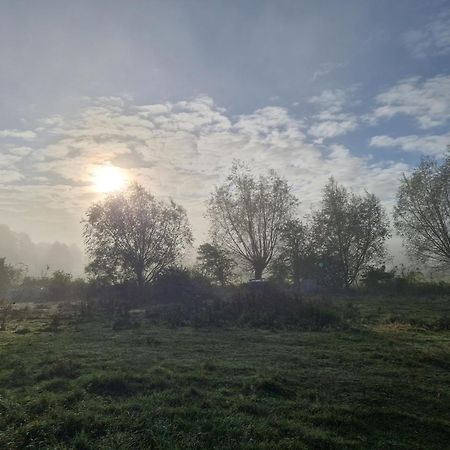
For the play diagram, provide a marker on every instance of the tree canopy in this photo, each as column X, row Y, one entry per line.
column 350, row 232
column 422, row 213
column 297, row 255
column 215, row 264
column 132, row 236
column 248, row 214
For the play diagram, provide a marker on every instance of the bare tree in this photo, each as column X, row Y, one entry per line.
column 350, row 232
column 248, row 214
column 215, row 263
column 132, row 236
column 422, row 213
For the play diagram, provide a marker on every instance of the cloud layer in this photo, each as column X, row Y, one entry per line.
column 426, row 101
column 179, row 150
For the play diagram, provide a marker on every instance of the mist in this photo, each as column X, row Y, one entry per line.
column 40, row 257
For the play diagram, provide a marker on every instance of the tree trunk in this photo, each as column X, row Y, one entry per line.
column 258, row 272
column 140, row 285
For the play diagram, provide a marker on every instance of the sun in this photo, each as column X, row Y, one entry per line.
column 108, row 178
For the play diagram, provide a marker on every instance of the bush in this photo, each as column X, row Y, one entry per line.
column 5, row 312
column 271, row 306
column 401, row 281
column 179, row 285
column 263, row 305
column 54, row 325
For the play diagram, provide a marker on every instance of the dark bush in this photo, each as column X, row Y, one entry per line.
column 179, row 285
column 401, row 281
column 271, row 306
column 124, row 321
column 256, row 305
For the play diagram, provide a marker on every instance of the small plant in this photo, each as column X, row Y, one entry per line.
column 55, row 324
column 123, row 321
column 442, row 324
column 5, row 313
column 64, row 368
column 85, row 309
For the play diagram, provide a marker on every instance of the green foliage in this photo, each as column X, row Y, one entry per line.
column 215, row 263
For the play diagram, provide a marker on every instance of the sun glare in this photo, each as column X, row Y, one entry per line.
column 108, row 179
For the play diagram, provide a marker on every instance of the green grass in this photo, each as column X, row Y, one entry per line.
column 383, row 384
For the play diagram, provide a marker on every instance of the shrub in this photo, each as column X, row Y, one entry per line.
column 401, row 281
column 123, row 321
column 54, row 324
column 5, row 312
column 270, row 305
column 179, row 285
column 263, row 305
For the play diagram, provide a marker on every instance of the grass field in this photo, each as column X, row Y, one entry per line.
column 381, row 384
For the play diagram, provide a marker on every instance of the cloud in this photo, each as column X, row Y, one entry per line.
column 18, row 134
column 332, row 120
column 179, row 150
column 19, row 150
column 434, row 145
column 431, row 40
column 426, row 101
column 9, row 176
column 326, row 68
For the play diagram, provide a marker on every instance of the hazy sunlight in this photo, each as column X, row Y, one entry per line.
column 108, row 179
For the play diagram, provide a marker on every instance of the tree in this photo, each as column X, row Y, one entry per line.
column 350, row 231
column 248, row 214
column 131, row 236
column 297, row 257
column 215, row 263
column 8, row 276
column 422, row 213
column 59, row 286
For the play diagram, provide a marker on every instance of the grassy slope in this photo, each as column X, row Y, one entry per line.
column 382, row 386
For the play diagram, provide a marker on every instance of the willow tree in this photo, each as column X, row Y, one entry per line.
column 422, row 213
column 132, row 236
column 248, row 214
column 350, row 232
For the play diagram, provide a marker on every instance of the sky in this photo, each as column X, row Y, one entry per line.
column 170, row 92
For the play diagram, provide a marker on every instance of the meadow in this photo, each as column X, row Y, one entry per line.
column 379, row 382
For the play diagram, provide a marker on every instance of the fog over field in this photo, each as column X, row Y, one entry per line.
column 40, row 258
